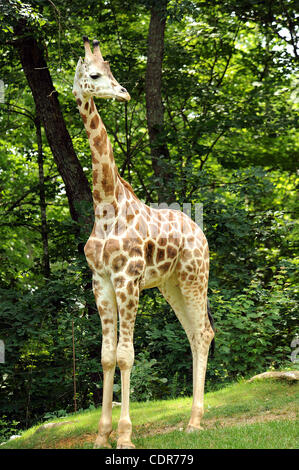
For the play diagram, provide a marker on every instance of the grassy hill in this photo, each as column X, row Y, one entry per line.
column 257, row 415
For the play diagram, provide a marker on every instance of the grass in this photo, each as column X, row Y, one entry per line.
column 258, row 415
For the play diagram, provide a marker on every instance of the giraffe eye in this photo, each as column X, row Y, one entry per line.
column 94, row 76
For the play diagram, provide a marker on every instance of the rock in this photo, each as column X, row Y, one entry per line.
column 288, row 375
column 15, row 436
column 52, row 425
column 115, row 403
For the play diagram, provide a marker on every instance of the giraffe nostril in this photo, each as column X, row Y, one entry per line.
column 123, row 90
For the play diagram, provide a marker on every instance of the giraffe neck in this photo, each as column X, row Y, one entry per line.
column 104, row 170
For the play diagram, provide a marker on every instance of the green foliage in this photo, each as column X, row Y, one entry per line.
column 146, row 382
column 7, row 428
column 55, row 414
column 231, row 113
column 255, row 329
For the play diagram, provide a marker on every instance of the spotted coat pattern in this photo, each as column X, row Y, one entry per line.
column 133, row 247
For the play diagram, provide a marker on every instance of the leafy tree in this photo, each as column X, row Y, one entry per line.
column 228, row 133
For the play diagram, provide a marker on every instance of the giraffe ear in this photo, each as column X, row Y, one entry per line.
column 79, row 68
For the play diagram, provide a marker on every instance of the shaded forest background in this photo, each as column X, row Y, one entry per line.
column 212, row 120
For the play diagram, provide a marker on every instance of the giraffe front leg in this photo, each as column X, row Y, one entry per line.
column 106, row 303
column 105, row 424
column 125, row 359
column 127, row 300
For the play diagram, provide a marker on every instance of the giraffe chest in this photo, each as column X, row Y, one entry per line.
column 144, row 250
column 134, row 257
column 112, row 255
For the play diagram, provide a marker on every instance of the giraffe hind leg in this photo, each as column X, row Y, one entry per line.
column 191, row 311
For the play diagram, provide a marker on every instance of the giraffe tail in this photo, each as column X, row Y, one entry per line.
column 212, row 325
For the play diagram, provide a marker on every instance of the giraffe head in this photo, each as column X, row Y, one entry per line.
column 94, row 78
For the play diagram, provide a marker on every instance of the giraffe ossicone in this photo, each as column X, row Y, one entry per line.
column 134, row 247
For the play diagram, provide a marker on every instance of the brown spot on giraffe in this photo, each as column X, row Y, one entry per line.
column 100, row 309
column 171, row 252
column 135, row 251
column 174, row 239
column 111, row 246
column 130, row 288
column 186, row 255
column 183, row 276
column 141, row 226
column 95, row 177
column 120, row 227
column 135, row 268
column 113, row 209
column 122, row 296
column 100, row 144
column 129, row 213
column 94, row 122
column 131, row 241
column 149, row 249
column 131, row 304
column 202, row 268
column 164, row 267
column 107, row 180
column 119, row 281
column 160, row 255
column 96, row 195
column 118, row 263
column 162, row 241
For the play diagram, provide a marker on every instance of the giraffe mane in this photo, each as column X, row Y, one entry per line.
column 126, row 184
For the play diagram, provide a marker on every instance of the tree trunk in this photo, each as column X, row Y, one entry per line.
column 48, row 110
column 31, row 53
column 154, row 105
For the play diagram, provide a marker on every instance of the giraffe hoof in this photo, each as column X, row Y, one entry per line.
column 101, row 443
column 125, row 445
column 191, row 428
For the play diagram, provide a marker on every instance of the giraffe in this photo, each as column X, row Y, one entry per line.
column 134, row 247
